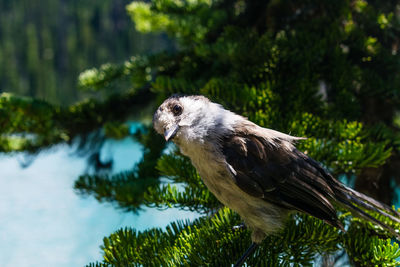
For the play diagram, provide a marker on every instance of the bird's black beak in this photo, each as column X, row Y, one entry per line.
column 171, row 132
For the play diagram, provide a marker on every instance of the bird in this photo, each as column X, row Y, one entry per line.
column 258, row 172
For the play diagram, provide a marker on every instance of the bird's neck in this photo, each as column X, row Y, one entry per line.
column 206, row 132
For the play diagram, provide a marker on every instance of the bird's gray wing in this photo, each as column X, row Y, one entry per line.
column 287, row 178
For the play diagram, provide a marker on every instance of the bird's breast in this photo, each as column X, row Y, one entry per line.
column 211, row 166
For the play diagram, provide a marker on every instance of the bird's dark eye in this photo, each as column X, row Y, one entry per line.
column 177, row 110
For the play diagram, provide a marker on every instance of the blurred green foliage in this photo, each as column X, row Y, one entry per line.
column 45, row 44
column 327, row 70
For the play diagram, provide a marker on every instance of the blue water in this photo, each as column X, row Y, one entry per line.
column 43, row 222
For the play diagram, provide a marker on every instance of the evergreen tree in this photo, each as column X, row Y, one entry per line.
column 327, row 70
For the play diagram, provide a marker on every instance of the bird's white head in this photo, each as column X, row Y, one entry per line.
column 188, row 118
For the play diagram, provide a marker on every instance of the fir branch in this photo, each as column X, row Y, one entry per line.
column 128, row 189
column 32, row 125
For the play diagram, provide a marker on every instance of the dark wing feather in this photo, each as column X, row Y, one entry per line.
column 272, row 173
column 292, row 180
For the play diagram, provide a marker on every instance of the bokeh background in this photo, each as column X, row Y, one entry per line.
column 44, row 46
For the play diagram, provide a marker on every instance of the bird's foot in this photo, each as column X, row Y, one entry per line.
column 241, row 226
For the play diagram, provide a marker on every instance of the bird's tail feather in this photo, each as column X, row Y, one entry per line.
column 354, row 201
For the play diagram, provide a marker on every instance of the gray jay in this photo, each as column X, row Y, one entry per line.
column 255, row 171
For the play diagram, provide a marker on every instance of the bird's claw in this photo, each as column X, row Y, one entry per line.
column 241, row 226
